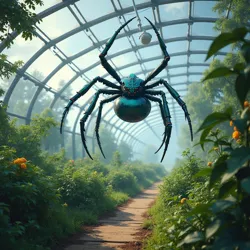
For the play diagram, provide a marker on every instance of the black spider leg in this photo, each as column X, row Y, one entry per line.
column 164, row 63
column 104, row 61
column 89, row 111
column 168, row 126
column 176, row 96
column 98, row 120
column 83, row 91
column 166, row 121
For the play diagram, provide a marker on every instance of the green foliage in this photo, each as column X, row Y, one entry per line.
column 239, row 10
column 214, row 213
column 16, row 16
column 23, row 24
column 123, row 181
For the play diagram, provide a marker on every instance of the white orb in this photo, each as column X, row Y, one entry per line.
column 145, row 38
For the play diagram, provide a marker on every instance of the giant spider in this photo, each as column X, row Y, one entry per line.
column 132, row 96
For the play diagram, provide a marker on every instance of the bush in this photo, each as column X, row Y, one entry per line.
column 123, row 181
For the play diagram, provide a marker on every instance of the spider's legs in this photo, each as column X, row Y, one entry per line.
column 104, row 61
column 83, row 91
column 165, row 116
column 98, row 120
column 89, row 111
column 165, row 53
column 153, row 85
column 176, row 96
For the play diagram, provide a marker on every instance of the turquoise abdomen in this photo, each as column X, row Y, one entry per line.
column 132, row 110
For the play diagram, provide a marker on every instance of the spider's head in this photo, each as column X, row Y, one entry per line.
column 132, row 85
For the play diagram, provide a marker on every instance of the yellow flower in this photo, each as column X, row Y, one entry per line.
column 183, row 200
column 231, row 123
column 65, row 204
column 23, row 166
column 236, row 134
column 20, row 160
column 209, row 164
column 246, row 104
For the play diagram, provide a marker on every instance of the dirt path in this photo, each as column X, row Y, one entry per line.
column 115, row 232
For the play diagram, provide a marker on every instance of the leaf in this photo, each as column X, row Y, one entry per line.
column 213, row 228
column 191, row 238
column 219, row 72
column 245, row 184
column 221, row 205
column 215, row 118
column 239, row 156
column 241, row 88
column 225, row 39
column 203, row 172
column 240, row 124
column 202, row 208
column 227, row 188
column 239, row 66
column 203, row 137
column 220, row 167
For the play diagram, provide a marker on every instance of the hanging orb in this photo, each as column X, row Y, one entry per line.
column 145, row 38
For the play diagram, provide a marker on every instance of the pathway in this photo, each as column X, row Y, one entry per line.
column 115, row 232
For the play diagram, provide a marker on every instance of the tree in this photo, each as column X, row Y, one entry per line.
column 108, row 143
column 149, row 155
column 239, row 14
column 125, row 151
column 16, row 16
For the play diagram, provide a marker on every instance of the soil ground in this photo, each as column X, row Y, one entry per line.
column 121, row 230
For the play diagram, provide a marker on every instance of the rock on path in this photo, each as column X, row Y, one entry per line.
column 115, row 231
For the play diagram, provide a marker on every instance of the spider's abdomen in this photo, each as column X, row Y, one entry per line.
column 132, row 110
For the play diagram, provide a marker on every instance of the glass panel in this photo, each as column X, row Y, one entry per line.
column 126, row 3
column 177, row 30
column 178, row 70
column 130, row 70
column 142, row 13
column 42, row 102
column 199, row 58
column 204, row 9
column 61, row 77
column 179, row 79
column 100, row 8
column 59, row 23
column 87, row 59
column 174, row 11
column 106, row 29
column 197, row 68
column 44, row 63
column 96, row 71
column 152, row 64
column 124, row 59
column 149, row 51
column 200, row 45
column 118, row 44
column 23, row 50
column 75, row 44
column 21, row 97
column 204, row 29
column 175, row 60
column 194, row 78
column 177, row 47
column 46, row 4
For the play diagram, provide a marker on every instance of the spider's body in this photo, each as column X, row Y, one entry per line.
column 132, row 97
column 132, row 106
